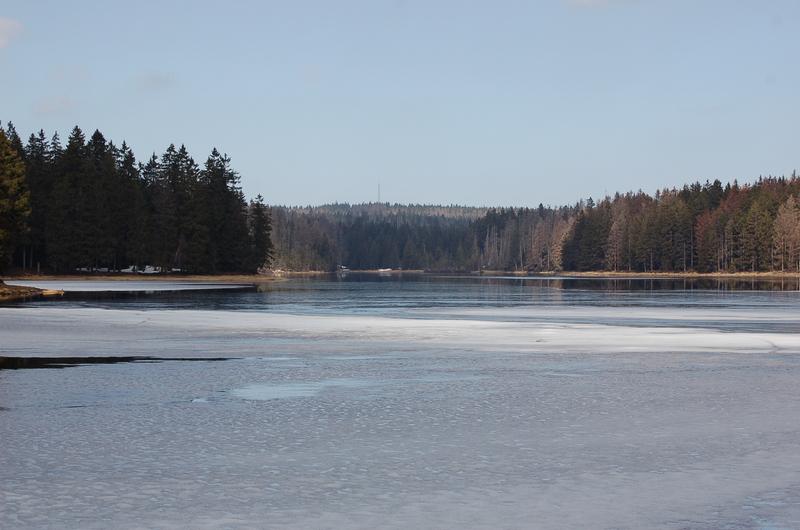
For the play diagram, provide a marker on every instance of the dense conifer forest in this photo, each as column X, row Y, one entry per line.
column 89, row 205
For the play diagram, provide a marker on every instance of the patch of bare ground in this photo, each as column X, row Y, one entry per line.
column 220, row 278
column 10, row 292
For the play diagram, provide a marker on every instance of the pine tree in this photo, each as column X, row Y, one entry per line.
column 163, row 217
column 132, row 211
column 14, row 199
column 260, row 228
column 226, row 214
column 16, row 141
column 39, row 173
column 183, row 175
column 105, row 202
column 68, row 230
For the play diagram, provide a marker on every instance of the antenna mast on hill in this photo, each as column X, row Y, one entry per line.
column 379, row 192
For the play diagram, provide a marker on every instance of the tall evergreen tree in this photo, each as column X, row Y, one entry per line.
column 16, row 141
column 69, row 227
column 14, row 199
column 163, row 218
column 39, row 174
column 260, row 229
column 105, row 202
column 225, row 214
column 132, row 213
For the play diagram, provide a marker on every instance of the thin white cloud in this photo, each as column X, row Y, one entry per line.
column 54, row 105
column 9, row 29
column 151, row 80
column 73, row 75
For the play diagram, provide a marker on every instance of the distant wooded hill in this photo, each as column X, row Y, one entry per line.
column 383, row 236
column 701, row 227
column 90, row 205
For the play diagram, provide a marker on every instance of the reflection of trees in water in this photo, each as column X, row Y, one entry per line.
column 656, row 284
column 680, row 284
column 558, row 284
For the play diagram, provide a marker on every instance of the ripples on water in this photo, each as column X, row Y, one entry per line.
column 405, row 295
column 305, row 420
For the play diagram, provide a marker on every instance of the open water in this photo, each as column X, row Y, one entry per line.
column 367, row 401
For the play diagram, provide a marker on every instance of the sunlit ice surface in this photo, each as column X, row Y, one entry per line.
column 321, row 404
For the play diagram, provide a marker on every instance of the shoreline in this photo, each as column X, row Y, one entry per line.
column 106, row 277
column 12, row 286
column 281, row 275
column 15, row 291
column 566, row 274
column 12, row 292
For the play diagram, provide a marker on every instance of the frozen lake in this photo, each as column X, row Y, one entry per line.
column 389, row 402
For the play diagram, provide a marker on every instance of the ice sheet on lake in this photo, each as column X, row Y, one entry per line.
column 216, row 333
column 473, row 420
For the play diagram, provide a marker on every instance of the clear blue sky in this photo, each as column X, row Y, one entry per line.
column 478, row 103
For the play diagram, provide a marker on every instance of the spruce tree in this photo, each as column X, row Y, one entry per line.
column 14, row 199
column 69, row 234
column 39, row 174
column 105, row 201
column 260, row 228
column 133, row 212
column 16, row 141
column 163, row 218
column 226, row 215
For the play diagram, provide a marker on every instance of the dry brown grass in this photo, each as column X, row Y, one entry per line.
column 10, row 292
column 221, row 278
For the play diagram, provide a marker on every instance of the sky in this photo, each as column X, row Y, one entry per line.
column 493, row 103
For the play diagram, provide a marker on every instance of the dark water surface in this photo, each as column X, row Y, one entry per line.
column 416, row 295
column 363, row 292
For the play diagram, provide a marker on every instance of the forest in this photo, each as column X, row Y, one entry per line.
column 91, row 206
column 700, row 227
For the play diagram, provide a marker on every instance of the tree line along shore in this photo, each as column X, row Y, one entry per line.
column 698, row 229
column 90, row 206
